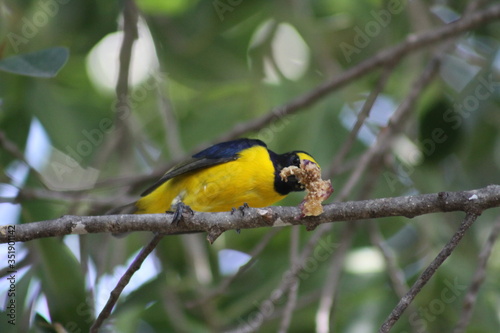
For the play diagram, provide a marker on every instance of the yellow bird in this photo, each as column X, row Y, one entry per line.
column 222, row 177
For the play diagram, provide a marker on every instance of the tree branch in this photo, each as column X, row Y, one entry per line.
column 291, row 302
column 11, row 148
column 122, row 138
column 362, row 116
column 124, row 280
column 330, row 290
column 216, row 223
column 477, row 280
column 226, row 282
column 382, row 58
column 395, row 273
column 406, row 300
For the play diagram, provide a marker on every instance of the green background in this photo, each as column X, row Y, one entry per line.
column 211, row 76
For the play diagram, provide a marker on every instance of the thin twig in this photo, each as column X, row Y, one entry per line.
column 121, row 137
column 130, row 34
column 27, row 194
column 222, row 287
column 171, row 126
column 396, row 313
column 174, row 310
column 396, row 275
column 124, row 280
column 362, row 116
column 328, row 292
column 474, row 5
column 328, row 298
column 289, row 278
column 11, row 148
column 477, row 280
column 294, row 288
column 395, row 124
column 289, row 306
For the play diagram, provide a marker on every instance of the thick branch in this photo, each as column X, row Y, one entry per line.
column 216, row 223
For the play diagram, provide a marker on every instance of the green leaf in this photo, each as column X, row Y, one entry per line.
column 44, row 63
column 64, row 286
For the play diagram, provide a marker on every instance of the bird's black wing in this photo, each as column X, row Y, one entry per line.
column 216, row 154
column 187, row 166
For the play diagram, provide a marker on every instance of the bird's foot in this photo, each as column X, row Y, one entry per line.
column 242, row 210
column 180, row 210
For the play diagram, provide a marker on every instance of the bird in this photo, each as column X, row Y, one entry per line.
column 237, row 173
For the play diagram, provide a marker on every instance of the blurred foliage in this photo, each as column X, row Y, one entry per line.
column 45, row 63
column 221, row 63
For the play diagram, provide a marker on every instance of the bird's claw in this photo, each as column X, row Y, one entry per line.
column 180, row 209
column 242, row 208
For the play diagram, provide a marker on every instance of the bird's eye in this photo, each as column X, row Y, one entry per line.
column 295, row 160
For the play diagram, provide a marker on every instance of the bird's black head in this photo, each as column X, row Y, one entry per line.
column 281, row 161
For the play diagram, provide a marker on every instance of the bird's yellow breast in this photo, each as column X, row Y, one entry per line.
column 248, row 179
